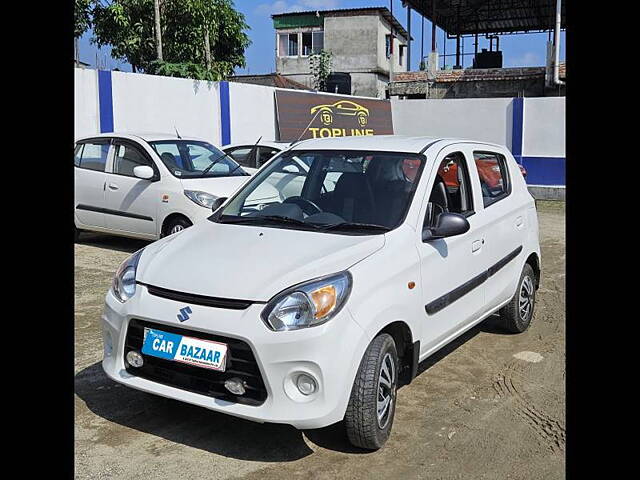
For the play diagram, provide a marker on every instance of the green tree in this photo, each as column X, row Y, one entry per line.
column 201, row 39
column 320, row 65
column 82, row 17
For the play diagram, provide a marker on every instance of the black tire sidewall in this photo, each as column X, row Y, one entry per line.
column 389, row 346
column 522, row 324
column 174, row 222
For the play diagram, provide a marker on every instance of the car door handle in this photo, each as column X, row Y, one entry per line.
column 476, row 245
column 519, row 222
column 113, row 187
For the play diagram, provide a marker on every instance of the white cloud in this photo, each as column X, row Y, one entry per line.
column 282, row 6
column 528, row 59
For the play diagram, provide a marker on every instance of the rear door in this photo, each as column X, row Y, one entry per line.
column 90, row 161
column 453, row 269
column 505, row 211
column 132, row 202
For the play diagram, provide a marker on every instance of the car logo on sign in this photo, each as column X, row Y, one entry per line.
column 183, row 316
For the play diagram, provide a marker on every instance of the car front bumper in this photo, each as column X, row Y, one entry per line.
column 331, row 353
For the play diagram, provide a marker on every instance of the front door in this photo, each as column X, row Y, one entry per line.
column 453, row 269
column 132, row 202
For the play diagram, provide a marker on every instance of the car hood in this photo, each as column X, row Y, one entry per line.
column 226, row 186
column 248, row 262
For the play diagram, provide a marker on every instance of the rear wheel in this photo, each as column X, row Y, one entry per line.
column 516, row 316
column 372, row 404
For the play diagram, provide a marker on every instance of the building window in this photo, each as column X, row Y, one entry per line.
column 312, row 43
column 387, row 40
column 401, row 56
column 318, row 42
column 288, row 45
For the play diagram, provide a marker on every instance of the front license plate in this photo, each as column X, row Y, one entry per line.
column 178, row 348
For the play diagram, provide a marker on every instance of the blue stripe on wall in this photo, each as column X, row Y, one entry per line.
column 105, row 101
column 225, row 116
column 517, row 125
column 545, row 170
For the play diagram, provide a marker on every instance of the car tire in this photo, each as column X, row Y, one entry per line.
column 176, row 225
column 516, row 316
column 76, row 234
column 365, row 429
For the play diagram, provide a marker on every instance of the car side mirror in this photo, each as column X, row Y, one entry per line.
column 217, row 203
column 145, row 172
column 447, row 225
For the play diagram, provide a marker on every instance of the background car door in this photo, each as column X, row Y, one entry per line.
column 506, row 211
column 452, row 268
column 132, row 202
column 90, row 162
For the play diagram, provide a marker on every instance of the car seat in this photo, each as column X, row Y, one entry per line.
column 352, row 198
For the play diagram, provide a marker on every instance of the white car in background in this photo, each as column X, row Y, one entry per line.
column 151, row 185
column 253, row 155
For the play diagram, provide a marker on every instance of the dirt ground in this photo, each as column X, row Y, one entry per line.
column 488, row 406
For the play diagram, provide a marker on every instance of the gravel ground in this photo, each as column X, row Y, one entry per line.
column 487, row 406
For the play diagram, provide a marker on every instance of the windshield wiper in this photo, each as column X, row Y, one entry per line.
column 268, row 218
column 353, row 226
column 210, row 166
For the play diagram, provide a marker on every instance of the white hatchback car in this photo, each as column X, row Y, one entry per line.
column 151, row 185
column 316, row 308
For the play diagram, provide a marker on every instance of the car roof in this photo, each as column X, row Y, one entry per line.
column 262, row 143
column 146, row 136
column 384, row 143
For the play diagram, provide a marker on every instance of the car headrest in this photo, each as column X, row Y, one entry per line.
column 169, row 159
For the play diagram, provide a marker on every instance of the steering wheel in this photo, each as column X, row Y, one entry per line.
column 307, row 206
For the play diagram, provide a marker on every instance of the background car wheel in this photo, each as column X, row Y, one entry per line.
column 176, row 225
column 372, row 404
column 517, row 314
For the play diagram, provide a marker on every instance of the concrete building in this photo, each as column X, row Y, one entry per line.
column 359, row 40
column 476, row 83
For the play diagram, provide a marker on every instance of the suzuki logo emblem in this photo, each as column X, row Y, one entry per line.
column 183, row 316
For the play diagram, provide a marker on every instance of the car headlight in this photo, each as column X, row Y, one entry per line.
column 124, row 281
column 203, row 199
column 308, row 304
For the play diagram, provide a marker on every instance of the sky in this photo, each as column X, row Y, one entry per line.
column 517, row 50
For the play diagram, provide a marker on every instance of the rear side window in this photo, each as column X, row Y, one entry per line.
column 127, row 158
column 494, row 176
column 93, row 156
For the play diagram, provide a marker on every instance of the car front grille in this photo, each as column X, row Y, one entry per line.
column 230, row 303
column 241, row 363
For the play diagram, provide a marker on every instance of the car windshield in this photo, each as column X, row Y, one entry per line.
column 195, row 159
column 354, row 192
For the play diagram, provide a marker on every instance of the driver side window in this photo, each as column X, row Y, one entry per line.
column 451, row 191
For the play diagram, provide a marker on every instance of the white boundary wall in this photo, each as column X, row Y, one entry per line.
column 485, row 119
column 544, row 127
column 149, row 103
column 85, row 105
column 252, row 112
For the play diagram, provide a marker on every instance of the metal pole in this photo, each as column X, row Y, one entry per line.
column 422, row 41
column 409, row 39
column 556, row 44
column 458, row 51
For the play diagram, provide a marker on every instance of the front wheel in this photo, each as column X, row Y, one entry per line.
column 372, row 404
column 176, row 225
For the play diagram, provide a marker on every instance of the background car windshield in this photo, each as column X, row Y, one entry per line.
column 329, row 188
column 191, row 159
